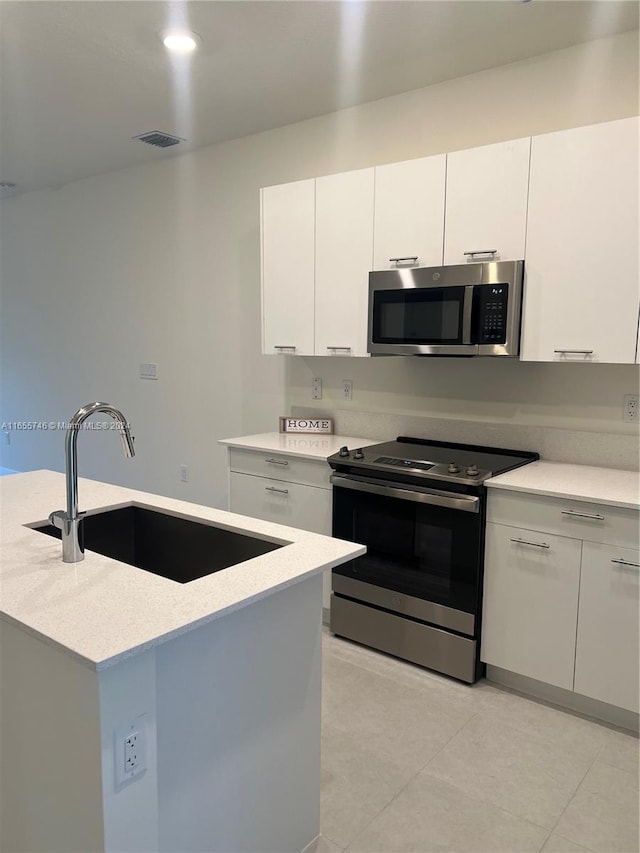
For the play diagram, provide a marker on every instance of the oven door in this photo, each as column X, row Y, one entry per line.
column 423, row 550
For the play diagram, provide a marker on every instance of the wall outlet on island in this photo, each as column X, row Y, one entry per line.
column 630, row 409
column 130, row 750
column 184, row 473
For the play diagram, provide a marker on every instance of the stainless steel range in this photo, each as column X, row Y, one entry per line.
column 419, row 506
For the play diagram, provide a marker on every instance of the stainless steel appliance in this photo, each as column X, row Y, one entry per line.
column 419, row 507
column 462, row 310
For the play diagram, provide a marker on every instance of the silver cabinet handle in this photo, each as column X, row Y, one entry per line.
column 276, row 461
column 481, row 252
column 273, row 489
column 281, row 348
column 572, row 512
column 574, row 351
column 334, row 349
column 627, row 563
column 405, row 260
column 535, row 544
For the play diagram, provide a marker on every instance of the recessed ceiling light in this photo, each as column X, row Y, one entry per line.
column 179, row 41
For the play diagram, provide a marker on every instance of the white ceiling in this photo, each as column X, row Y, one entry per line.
column 81, row 77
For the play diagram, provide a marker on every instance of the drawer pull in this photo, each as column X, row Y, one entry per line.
column 281, row 349
column 336, row 349
column 410, row 260
column 277, row 461
column 595, row 517
column 574, row 351
column 273, row 489
column 627, row 563
column 481, row 252
column 535, row 544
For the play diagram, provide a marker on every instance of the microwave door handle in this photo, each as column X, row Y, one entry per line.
column 467, row 311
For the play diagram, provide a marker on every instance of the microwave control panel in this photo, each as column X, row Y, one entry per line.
column 490, row 303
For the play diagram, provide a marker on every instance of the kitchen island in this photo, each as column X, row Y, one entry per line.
column 218, row 679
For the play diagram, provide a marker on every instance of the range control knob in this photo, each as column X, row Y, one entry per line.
column 453, row 468
column 358, row 454
column 472, row 471
column 344, row 451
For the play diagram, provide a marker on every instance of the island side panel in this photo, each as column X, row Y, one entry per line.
column 50, row 779
column 238, row 728
column 128, row 697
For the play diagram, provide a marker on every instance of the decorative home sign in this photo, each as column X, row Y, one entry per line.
column 308, row 425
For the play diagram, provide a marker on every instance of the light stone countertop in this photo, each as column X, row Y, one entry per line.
column 573, row 482
column 101, row 610
column 311, row 446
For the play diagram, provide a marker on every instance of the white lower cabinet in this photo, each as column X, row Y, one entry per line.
column 297, row 493
column 531, row 603
column 607, row 662
column 293, row 504
column 562, row 596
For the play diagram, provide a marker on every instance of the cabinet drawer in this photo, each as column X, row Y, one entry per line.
column 279, row 466
column 531, row 603
column 607, row 642
column 293, row 504
column 578, row 519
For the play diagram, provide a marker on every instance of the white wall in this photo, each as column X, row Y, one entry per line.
column 161, row 263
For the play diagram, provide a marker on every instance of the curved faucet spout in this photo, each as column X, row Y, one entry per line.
column 72, row 548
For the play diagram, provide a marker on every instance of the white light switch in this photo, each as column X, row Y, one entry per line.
column 148, row 370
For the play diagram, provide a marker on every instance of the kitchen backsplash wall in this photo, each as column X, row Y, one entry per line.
column 161, row 263
column 608, row 450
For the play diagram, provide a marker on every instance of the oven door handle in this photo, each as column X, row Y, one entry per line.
column 466, row 503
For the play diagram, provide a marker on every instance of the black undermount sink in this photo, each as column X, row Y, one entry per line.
column 175, row 548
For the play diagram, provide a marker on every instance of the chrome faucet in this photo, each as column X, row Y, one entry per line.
column 68, row 522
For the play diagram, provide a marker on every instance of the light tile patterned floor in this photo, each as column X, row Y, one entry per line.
column 413, row 762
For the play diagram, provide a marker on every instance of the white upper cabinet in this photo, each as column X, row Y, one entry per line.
column 581, row 270
column 409, row 213
column 487, row 201
column 344, row 257
column 288, row 240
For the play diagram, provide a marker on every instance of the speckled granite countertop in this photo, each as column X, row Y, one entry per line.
column 576, row 482
column 304, row 446
column 101, row 610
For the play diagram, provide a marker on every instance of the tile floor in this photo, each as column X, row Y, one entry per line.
column 413, row 762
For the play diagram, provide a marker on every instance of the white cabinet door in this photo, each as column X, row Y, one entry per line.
column 607, row 643
column 344, row 256
column 531, row 603
column 281, row 502
column 306, row 507
column 409, row 212
column 288, row 240
column 486, row 201
column 581, row 270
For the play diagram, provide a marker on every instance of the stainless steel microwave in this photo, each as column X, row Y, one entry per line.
column 461, row 310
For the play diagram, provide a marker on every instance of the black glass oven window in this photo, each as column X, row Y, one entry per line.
column 418, row 316
column 429, row 552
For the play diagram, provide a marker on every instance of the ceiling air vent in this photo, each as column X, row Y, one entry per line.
column 160, row 140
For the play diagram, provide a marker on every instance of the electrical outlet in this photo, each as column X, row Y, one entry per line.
column 130, row 750
column 316, row 389
column 630, row 409
column 347, row 389
column 184, row 473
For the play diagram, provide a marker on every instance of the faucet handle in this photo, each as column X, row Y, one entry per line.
column 58, row 518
